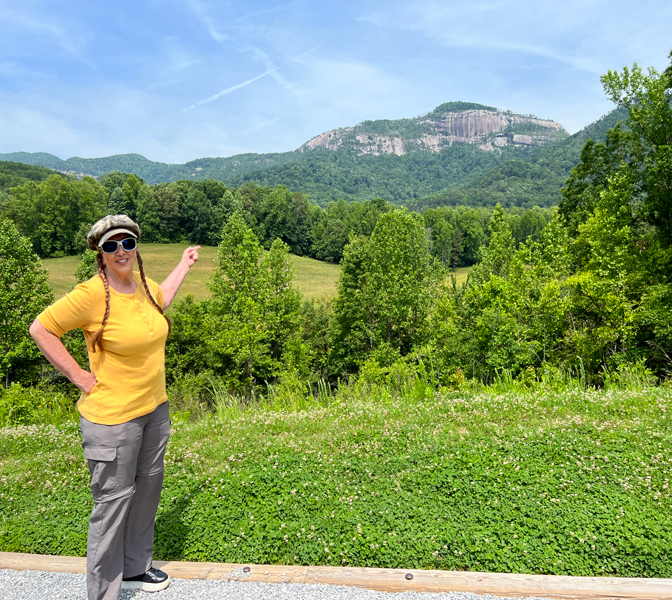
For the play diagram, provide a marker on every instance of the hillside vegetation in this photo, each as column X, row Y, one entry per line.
column 535, row 180
column 18, row 173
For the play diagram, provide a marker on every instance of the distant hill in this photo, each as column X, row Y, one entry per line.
column 18, row 173
column 459, row 153
column 150, row 171
column 447, row 124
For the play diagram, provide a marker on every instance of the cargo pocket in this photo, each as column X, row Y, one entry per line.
column 103, row 466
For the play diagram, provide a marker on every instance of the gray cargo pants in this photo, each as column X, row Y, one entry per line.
column 126, row 465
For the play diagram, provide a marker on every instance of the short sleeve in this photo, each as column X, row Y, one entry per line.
column 73, row 311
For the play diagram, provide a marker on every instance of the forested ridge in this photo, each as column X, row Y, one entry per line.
column 13, row 174
column 535, row 180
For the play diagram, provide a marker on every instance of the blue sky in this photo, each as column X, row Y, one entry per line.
column 176, row 80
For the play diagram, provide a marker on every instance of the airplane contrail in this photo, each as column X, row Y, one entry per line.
column 233, row 88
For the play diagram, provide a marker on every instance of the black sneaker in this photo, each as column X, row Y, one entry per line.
column 151, row 581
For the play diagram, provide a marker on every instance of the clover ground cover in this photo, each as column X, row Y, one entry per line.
column 572, row 482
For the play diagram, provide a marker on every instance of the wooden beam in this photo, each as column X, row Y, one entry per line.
column 388, row 580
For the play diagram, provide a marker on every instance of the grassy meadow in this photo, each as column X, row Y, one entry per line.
column 315, row 279
column 565, row 481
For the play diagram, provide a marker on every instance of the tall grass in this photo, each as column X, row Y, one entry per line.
column 194, row 398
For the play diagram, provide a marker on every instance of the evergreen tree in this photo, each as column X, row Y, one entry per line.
column 147, row 214
column 118, row 203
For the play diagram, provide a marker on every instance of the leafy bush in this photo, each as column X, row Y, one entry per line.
column 28, row 405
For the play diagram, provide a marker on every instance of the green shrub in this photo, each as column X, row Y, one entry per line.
column 25, row 406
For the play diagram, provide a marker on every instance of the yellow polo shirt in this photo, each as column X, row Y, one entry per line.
column 131, row 367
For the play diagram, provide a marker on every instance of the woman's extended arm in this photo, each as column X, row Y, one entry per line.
column 55, row 352
column 173, row 282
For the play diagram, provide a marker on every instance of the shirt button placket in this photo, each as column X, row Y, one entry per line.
column 144, row 316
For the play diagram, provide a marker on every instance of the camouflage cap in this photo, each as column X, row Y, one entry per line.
column 105, row 228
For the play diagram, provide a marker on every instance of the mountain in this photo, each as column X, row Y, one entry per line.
column 406, row 159
column 535, row 180
column 151, row 171
column 450, row 123
column 459, row 152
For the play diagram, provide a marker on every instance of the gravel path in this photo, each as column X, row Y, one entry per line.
column 41, row 585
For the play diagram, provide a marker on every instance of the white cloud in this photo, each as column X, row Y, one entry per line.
column 581, row 34
column 202, row 12
column 69, row 38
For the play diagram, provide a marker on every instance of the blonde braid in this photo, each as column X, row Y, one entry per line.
column 97, row 339
column 155, row 304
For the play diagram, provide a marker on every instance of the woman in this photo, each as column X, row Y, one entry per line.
column 123, row 407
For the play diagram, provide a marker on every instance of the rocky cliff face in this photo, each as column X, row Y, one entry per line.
column 489, row 129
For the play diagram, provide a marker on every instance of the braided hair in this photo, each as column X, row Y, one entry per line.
column 154, row 303
column 97, row 340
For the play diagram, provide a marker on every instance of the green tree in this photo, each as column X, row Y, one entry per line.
column 169, row 212
column 612, row 279
column 87, row 267
column 187, row 348
column 24, row 293
column 113, row 180
column 513, row 312
column 473, row 236
column 386, row 290
column 282, row 304
column 131, row 188
column 330, row 237
column 56, row 213
column 118, row 203
column 196, row 211
column 147, row 214
column 617, row 206
column 238, row 334
column 501, row 246
column 648, row 99
column 352, row 316
column 254, row 330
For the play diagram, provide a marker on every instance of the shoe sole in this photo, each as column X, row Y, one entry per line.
column 144, row 586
